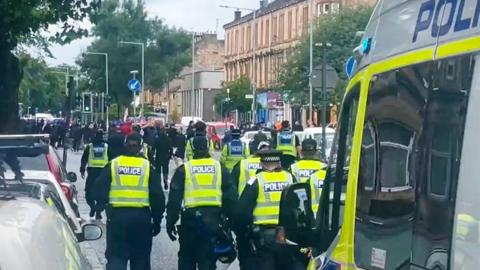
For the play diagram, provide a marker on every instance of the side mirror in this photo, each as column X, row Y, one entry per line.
column 72, row 177
column 90, row 232
column 296, row 214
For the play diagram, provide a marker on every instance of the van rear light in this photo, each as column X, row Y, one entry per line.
column 67, row 191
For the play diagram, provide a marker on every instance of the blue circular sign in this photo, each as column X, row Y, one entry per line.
column 350, row 66
column 134, row 85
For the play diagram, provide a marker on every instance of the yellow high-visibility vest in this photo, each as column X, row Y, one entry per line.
column 304, row 169
column 203, row 183
column 248, row 170
column 270, row 187
column 98, row 156
column 130, row 181
column 233, row 152
column 316, row 186
column 189, row 148
column 286, row 142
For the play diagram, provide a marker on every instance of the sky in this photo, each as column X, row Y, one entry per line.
column 196, row 15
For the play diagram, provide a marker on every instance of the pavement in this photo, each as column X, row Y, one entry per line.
column 164, row 251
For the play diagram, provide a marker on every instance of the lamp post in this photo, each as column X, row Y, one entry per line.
column 254, row 65
column 324, row 47
column 106, row 85
column 310, row 85
column 142, row 45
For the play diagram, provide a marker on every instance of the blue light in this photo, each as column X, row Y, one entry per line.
column 366, row 44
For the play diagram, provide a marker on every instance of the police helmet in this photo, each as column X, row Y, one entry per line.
column 263, row 145
column 309, row 144
column 269, row 155
column 200, row 144
column 225, row 248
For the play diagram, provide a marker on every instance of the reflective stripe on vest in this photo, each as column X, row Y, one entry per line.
column 130, row 181
column 270, row 187
column 144, row 150
column 203, row 183
column 235, row 153
column 316, row 186
column 98, row 156
column 304, row 169
column 286, row 143
column 248, row 170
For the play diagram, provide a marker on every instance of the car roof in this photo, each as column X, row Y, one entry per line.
column 37, row 237
column 318, row 130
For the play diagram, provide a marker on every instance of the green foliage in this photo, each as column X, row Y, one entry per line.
column 237, row 101
column 40, row 87
column 22, row 19
column 339, row 30
column 167, row 49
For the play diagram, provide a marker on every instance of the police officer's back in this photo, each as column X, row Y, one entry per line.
column 234, row 151
column 206, row 191
column 133, row 194
column 287, row 142
column 94, row 159
column 200, row 132
column 309, row 163
column 258, row 209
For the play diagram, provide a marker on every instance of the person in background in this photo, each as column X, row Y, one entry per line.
column 94, row 159
column 309, row 163
column 287, row 142
column 130, row 190
column 76, row 134
column 163, row 153
column 234, row 151
column 297, row 126
column 228, row 136
column 179, row 147
column 190, row 130
column 200, row 132
column 116, row 141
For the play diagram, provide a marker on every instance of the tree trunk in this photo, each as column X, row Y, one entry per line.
column 10, row 78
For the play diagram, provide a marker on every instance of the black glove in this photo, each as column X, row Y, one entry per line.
column 156, row 228
column 172, row 232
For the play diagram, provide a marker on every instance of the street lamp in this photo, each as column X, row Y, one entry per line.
column 254, row 65
column 106, row 84
column 310, row 85
column 324, row 47
column 134, row 73
column 141, row 44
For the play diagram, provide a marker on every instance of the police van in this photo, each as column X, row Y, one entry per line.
column 406, row 153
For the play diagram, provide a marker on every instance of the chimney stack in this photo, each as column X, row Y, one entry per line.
column 238, row 15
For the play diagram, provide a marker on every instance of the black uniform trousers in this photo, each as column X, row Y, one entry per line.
column 129, row 238
column 269, row 255
column 196, row 250
column 92, row 174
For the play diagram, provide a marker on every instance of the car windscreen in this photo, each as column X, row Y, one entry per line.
column 28, row 158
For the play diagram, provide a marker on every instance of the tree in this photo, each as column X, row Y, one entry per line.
column 236, row 96
column 21, row 21
column 338, row 29
column 167, row 49
column 40, row 87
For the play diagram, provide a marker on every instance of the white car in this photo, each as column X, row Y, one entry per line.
column 248, row 136
column 47, row 177
column 316, row 134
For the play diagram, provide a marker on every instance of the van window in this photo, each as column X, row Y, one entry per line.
column 332, row 202
column 409, row 164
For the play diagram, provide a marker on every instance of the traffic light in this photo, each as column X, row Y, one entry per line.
column 87, row 102
column 78, row 102
column 96, row 101
column 71, row 86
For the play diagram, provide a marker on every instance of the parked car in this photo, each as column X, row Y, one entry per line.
column 46, row 178
column 247, row 137
column 34, row 154
column 316, row 134
column 216, row 131
column 35, row 236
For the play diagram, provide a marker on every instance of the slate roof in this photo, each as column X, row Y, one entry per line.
column 269, row 8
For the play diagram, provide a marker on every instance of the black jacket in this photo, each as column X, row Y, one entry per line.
column 211, row 214
column 163, row 148
column 156, row 196
column 116, row 143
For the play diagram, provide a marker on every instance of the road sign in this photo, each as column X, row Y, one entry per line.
column 248, row 96
column 350, row 66
column 134, row 85
column 331, row 80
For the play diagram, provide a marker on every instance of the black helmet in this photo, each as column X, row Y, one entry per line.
column 309, row 145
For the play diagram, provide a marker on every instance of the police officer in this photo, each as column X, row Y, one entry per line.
column 233, row 151
column 316, row 186
column 243, row 172
column 287, row 142
column 200, row 131
column 95, row 157
column 133, row 194
column 207, row 193
column 309, row 164
column 258, row 208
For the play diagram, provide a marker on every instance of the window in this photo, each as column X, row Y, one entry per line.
column 274, row 30
column 267, row 32
column 319, row 9
column 334, row 8
column 326, row 8
column 289, row 26
column 335, row 183
column 411, row 143
column 305, row 20
column 281, row 28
